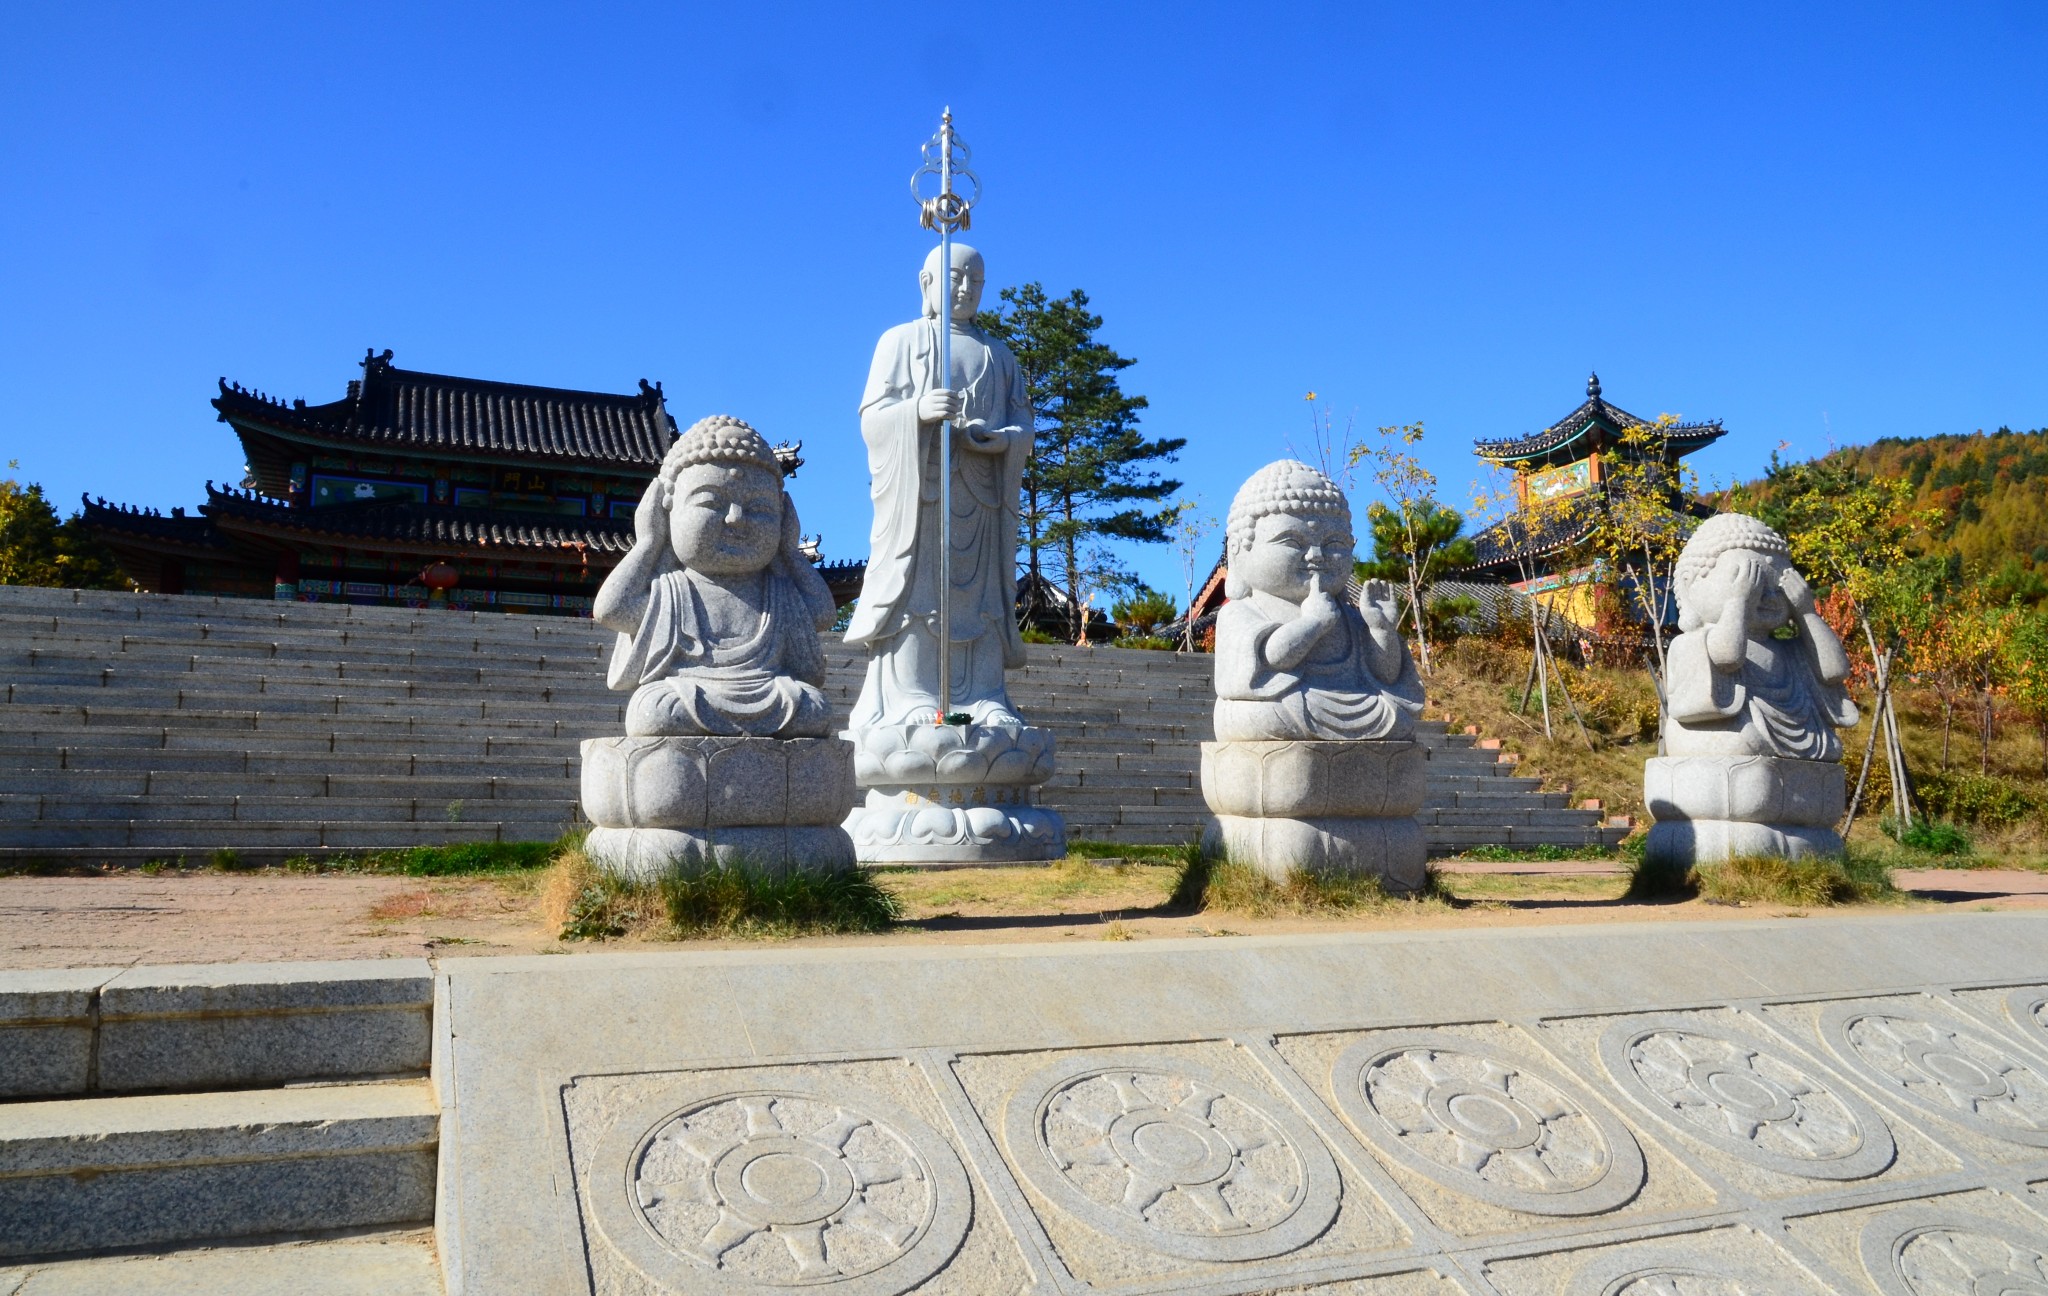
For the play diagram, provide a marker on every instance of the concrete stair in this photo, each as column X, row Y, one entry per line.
column 171, row 1106
column 138, row 727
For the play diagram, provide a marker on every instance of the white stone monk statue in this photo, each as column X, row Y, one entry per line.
column 906, row 401
column 716, row 607
column 1739, row 684
column 1293, row 661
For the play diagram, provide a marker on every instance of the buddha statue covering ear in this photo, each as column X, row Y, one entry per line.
column 1740, row 684
column 717, row 609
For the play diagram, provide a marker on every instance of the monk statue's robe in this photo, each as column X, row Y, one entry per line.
column 898, row 612
column 712, row 659
column 1332, row 693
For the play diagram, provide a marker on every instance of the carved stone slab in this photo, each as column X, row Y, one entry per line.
column 1939, row 1066
column 1943, row 1251
column 1488, row 1123
column 1749, row 1098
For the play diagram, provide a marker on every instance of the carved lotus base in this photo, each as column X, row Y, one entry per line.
column 901, row 756
column 663, row 803
column 939, row 824
column 1393, row 849
column 650, row 854
column 1711, row 808
column 1310, row 780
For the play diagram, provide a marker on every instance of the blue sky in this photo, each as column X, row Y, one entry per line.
column 1814, row 222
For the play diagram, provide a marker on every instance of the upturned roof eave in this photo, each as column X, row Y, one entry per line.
column 277, row 423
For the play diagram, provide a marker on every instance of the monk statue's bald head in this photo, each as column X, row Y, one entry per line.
column 966, row 282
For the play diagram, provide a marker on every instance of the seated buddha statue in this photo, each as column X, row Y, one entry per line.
column 1755, row 670
column 717, row 608
column 1292, row 660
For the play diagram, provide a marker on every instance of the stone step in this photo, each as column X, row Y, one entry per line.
column 211, row 1026
column 315, row 783
column 1458, row 817
column 199, row 838
column 157, row 1171
column 381, row 1262
column 543, row 760
column 16, row 811
column 1463, row 837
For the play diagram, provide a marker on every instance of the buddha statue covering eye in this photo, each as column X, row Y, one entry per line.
column 1293, row 661
column 717, row 609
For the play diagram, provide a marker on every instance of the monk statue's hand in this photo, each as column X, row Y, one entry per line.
column 648, row 519
column 1796, row 591
column 938, row 405
column 1321, row 612
column 1378, row 605
column 980, row 436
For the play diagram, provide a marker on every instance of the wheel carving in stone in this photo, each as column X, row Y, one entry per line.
column 1487, row 1124
column 1928, row 1251
column 2028, row 1008
column 1750, row 1101
column 760, row 1191
column 1172, row 1157
column 1941, row 1067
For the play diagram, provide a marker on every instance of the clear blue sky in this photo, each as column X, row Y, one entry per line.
column 1810, row 221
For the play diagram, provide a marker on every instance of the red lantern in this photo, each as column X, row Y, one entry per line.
column 439, row 577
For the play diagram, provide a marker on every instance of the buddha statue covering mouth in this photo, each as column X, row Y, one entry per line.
column 716, row 607
column 1292, row 660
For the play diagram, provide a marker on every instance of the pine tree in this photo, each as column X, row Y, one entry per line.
column 1090, row 480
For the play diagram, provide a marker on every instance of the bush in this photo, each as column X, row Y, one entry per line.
column 1933, row 836
column 1973, row 798
column 1032, row 634
column 1153, row 642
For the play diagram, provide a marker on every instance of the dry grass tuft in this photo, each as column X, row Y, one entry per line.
column 1228, row 886
column 1806, row 883
column 581, row 903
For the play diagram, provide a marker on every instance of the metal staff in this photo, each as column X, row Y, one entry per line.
column 945, row 156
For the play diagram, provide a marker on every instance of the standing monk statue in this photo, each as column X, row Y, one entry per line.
column 901, row 412
column 940, row 791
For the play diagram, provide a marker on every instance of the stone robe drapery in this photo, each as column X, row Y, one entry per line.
column 688, row 679
column 1330, row 694
column 899, row 599
column 1774, row 703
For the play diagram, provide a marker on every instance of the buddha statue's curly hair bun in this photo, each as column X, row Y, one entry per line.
column 1285, row 486
column 1718, row 535
column 720, row 439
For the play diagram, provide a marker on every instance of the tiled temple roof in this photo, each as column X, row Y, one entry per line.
column 1556, row 529
column 400, row 410
column 411, row 525
column 128, row 521
column 1685, row 437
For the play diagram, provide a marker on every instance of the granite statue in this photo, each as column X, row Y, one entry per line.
column 1754, row 700
column 727, row 753
column 945, row 791
column 1315, row 766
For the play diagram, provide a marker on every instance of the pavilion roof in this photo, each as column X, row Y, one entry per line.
column 1593, row 412
column 420, row 527
column 403, row 411
column 118, row 522
column 1553, row 530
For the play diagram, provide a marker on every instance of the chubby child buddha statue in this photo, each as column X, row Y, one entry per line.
column 1754, row 697
column 726, row 756
column 1314, row 767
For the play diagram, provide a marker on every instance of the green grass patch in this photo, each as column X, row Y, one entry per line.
column 468, row 859
column 1529, row 854
column 1224, row 885
column 1929, row 836
column 1121, row 850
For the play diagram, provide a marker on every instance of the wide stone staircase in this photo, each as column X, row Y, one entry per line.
column 168, row 727
column 154, row 1108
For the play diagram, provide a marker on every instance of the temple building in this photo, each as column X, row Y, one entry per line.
column 1559, row 484
column 417, row 489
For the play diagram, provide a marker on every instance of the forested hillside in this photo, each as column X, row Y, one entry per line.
column 1990, row 489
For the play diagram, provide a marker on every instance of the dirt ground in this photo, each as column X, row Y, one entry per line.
column 130, row 918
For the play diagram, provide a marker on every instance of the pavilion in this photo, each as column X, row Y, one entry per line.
column 417, row 489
